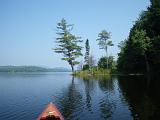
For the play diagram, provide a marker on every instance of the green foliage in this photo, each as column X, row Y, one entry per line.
column 104, row 42
column 67, row 43
column 103, row 39
column 140, row 53
column 141, row 41
column 102, row 63
column 86, row 67
column 94, row 72
column 86, row 58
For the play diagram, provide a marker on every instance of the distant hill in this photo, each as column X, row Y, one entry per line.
column 31, row 69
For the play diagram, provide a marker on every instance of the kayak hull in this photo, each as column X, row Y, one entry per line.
column 49, row 111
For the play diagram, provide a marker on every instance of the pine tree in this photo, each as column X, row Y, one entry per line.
column 67, row 43
column 86, row 58
column 104, row 42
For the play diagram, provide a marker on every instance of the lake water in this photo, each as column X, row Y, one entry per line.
column 24, row 95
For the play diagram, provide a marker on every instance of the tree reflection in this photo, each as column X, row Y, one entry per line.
column 107, row 105
column 143, row 97
column 89, row 87
column 107, row 108
column 71, row 102
column 106, row 83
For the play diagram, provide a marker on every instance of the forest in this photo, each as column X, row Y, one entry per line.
column 140, row 52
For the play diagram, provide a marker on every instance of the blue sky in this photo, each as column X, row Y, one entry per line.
column 27, row 27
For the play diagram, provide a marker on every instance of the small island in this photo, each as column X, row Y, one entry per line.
column 138, row 53
column 82, row 59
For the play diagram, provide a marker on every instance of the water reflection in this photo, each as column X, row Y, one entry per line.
column 86, row 98
column 89, row 88
column 105, row 103
column 107, row 108
column 142, row 96
column 110, row 97
column 71, row 102
column 106, row 83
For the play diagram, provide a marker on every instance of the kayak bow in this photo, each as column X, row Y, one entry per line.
column 50, row 113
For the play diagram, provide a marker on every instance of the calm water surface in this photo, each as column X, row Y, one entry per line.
column 24, row 95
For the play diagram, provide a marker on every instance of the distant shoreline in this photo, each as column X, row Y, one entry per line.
column 14, row 69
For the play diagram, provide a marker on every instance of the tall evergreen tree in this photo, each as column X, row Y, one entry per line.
column 143, row 45
column 141, row 51
column 86, row 57
column 104, row 42
column 67, row 43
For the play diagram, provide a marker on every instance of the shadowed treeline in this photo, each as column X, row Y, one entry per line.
column 143, row 98
column 111, row 97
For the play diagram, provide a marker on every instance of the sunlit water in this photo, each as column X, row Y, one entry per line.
column 24, row 95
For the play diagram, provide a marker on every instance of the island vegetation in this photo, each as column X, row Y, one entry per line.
column 139, row 53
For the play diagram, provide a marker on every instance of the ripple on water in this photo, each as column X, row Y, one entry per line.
column 77, row 99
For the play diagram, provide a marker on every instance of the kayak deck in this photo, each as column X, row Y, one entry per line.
column 50, row 113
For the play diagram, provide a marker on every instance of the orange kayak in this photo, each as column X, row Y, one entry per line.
column 50, row 113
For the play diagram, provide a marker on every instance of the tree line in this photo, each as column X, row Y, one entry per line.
column 69, row 46
column 140, row 52
column 13, row 69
